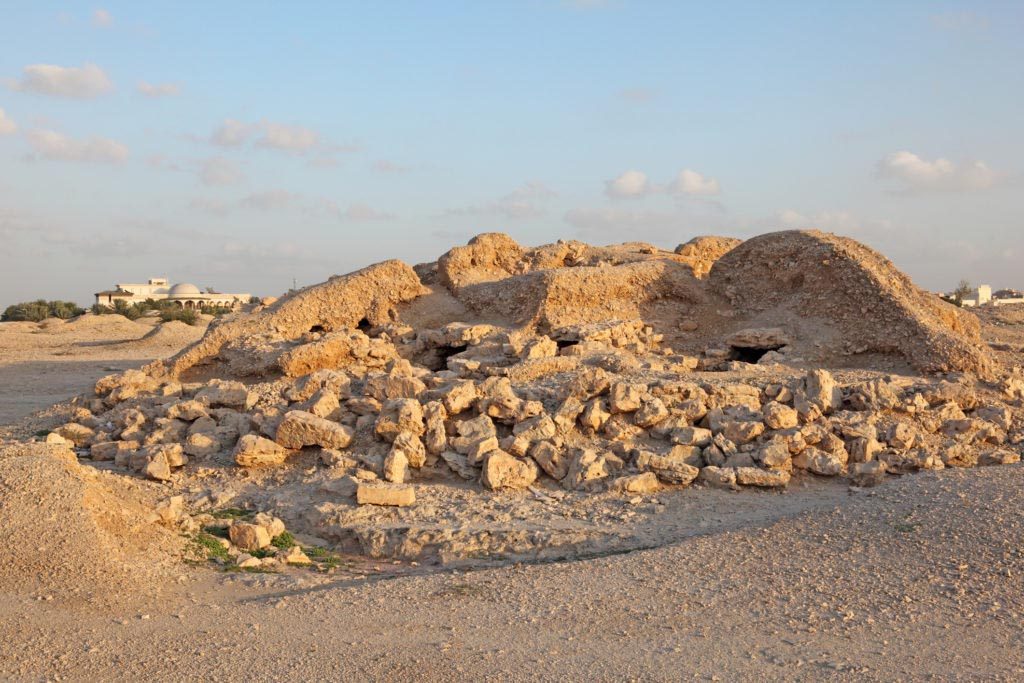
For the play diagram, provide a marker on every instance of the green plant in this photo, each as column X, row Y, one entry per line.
column 284, row 541
column 231, row 513
column 211, row 547
column 41, row 309
column 185, row 315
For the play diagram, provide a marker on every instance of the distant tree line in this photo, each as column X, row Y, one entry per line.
column 168, row 310
column 41, row 309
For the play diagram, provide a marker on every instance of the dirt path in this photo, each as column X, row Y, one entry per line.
column 920, row 579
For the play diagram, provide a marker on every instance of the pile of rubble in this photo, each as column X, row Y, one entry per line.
column 591, row 369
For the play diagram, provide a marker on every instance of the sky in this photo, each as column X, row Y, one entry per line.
column 244, row 146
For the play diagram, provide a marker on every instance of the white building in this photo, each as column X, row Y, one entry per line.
column 983, row 296
column 184, row 294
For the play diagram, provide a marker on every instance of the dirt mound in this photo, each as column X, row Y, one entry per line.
column 74, row 532
column 173, row 334
column 111, row 324
column 19, row 327
column 365, row 297
column 859, row 301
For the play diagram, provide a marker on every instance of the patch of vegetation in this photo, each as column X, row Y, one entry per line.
column 262, row 552
column 210, row 546
column 40, row 310
column 168, row 310
column 250, row 570
column 323, row 559
column 906, row 527
column 231, row 513
column 42, row 433
column 184, row 315
column 216, row 531
column 283, row 541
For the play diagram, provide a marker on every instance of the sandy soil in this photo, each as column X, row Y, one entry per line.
column 52, row 361
column 919, row 578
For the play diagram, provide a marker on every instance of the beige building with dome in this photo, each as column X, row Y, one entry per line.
column 184, row 294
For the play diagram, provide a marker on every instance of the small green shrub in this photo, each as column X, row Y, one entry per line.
column 284, row 541
column 41, row 309
column 185, row 315
column 210, row 546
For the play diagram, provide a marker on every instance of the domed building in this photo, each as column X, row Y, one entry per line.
column 185, row 294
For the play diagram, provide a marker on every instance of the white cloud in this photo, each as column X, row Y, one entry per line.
column 80, row 82
column 158, row 89
column 526, row 201
column 7, row 125
column 102, row 18
column 268, row 200
column 691, row 182
column 634, row 184
column 231, row 133
column 385, row 166
column 270, row 135
column 629, row 184
column 287, row 138
column 53, row 145
column 216, row 207
column 219, row 171
column 940, row 175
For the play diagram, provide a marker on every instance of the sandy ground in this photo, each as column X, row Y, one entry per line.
column 917, row 579
column 50, row 362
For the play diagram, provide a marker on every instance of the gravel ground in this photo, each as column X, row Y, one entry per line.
column 917, row 579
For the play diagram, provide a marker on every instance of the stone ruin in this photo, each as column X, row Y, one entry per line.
column 624, row 368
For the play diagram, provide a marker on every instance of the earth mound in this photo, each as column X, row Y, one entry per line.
column 859, row 300
column 72, row 531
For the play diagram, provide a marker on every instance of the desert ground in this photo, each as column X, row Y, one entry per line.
column 850, row 536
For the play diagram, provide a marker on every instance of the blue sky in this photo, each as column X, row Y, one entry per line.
column 240, row 145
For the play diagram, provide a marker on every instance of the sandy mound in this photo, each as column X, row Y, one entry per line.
column 108, row 325
column 367, row 296
column 859, row 301
column 19, row 327
column 71, row 531
column 172, row 334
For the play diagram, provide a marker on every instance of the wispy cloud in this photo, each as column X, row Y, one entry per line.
column 289, row 138
column 101, row 18
column 155, row 90
column 527, row 201
column 218, row 171
column 50, row 144
column 78, row 82
column 276, row 199
column 915, row 174
column 385, row 166
column 7, row 125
